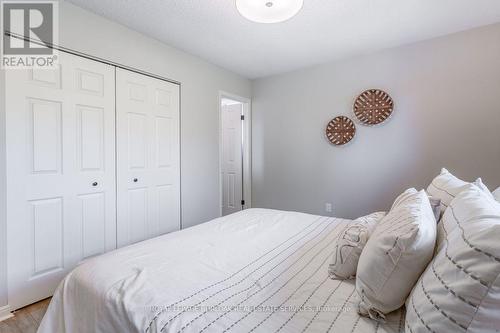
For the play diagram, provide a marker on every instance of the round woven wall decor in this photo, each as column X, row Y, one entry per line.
column 340, row 130
column 373, row 107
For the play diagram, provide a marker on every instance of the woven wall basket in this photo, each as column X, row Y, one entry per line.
column 340, row 130
column 373, row 107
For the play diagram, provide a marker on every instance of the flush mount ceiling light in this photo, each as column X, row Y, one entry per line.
column 269, row 11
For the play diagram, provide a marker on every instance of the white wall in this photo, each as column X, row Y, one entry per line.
column 85, row 32
column 3, row 200
column 446, row 93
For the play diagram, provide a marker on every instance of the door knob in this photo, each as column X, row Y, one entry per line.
column 94, row 184
column 135, row 180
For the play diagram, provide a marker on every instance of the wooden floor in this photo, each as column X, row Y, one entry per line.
column 25, row 320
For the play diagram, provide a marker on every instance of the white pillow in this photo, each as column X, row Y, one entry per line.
column 479, row 183
column 349, row 245
column 496, row 194
column 446, row 187
column 460, row 289
column 395, row 255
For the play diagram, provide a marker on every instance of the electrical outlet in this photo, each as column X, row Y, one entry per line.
column 328, row 207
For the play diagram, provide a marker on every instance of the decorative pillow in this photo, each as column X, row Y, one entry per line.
column 446, row 187
column 395, row 255
column 460, row 289
column 349, row 245
column 496, row 194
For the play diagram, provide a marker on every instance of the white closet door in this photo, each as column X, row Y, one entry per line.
column 60, row 172
column 231, row 159
column 148, row 174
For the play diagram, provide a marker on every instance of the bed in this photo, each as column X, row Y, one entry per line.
column 255, row 271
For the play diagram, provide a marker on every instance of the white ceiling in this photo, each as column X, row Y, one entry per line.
column 324, row 30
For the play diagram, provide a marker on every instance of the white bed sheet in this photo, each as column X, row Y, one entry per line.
column 258, row 270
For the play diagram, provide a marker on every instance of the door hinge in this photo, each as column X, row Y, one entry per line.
column 243, row 202
column 242, row 117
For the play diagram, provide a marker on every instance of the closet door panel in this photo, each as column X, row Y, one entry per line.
column 45, row 131
column 93, row 223
column 137, row 141
column 90, row 135
column 148, row 174
column 47, row 232
column 60, row 172
column 93, row 105
column 137, row 214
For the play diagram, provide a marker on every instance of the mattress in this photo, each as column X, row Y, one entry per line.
column 255, row 271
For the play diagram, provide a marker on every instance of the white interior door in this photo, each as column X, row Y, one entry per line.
column 148, row 159
column 232, row 171
column 60, row 172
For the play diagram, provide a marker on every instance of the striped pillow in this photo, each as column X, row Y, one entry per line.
column 460, row 289
column 395, row 255
column 446, row 187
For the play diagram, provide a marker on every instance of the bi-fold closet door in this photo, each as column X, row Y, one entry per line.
column 61, row 204
column 72, row 157
column 148, row 173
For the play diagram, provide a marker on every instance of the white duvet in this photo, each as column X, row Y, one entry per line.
column 257, row 270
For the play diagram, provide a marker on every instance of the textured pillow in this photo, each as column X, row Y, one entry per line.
column 395, row 255
column 349, row 245
column 460, row 289
column 446, row 187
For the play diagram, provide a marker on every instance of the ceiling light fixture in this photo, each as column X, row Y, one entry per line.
column 269, row 11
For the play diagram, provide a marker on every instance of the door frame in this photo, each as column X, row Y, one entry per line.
column 247, row 147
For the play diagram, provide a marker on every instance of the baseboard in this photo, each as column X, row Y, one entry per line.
column 5, row 312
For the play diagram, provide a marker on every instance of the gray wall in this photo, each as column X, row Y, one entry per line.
column 447, row 114
column 201, row 82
